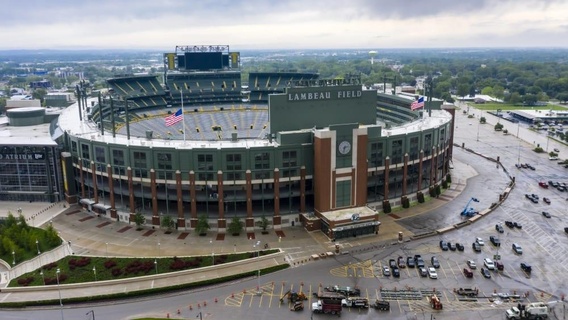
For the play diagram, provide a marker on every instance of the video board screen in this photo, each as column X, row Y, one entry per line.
column 203, row 60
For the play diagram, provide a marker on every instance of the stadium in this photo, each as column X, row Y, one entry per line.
column 328, row 154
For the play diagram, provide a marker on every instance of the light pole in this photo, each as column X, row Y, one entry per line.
column 92, row 314
column 13, row 257
column 95, row 272
column 257, row 247
column 212, row 253
column 42, row 277
column 156, row 265
column 200, row 316
column 158, row 249
column 37, row 245
column 59, row 291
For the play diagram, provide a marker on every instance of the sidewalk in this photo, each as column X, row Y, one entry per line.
column 90, row 235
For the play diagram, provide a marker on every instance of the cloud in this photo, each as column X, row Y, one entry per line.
column 278, row 24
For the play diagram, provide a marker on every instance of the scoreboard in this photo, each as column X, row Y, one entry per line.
column 201, row 58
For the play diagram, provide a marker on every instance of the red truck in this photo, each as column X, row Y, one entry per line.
column 327, row 306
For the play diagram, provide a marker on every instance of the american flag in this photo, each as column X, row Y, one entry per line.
column 417, row 104
column 174, row 118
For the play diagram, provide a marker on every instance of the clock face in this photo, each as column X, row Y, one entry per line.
column 344, row 147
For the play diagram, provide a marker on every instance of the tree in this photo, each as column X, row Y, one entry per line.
column 530, row 99
column 562, row 97
column 463, row 90
column 498, row 127
column 498, row 91
column 202, row 225
column 264, row 224
column 139, row 220
column 482, row 120
column 487, row 91
column 235, row 226
column 168, row 223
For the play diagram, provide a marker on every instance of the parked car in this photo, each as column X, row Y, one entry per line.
column 392, row 263
column 419, row 261
column 410, row 262
column 423, row 272
column 471, row 264
column 488, row 263
column 543, row 185
column 509, row 224
column 432, row 273
column 386, row 271
column 495, row 240
column 452, row 246
column 476, row 247
column 517, row 248
column 459, row 246
column 526, row 267
column 396, row 272
column 401, row 263
column 499, row 265
column 485, row 273
column 467, row 273
column 546, row 214
column 517, row 225
column 545, row 199
column 479, row 241
column 499, row 228
column 443, row 245
column 435, row 262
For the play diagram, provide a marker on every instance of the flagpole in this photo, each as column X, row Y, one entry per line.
column 182, row 115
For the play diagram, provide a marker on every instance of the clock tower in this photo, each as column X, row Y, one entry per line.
column 340, row 173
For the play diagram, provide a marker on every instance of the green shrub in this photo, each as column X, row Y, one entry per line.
column 387, row 206
column 420, row 197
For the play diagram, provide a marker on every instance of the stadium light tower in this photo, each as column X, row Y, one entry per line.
column 372, row 54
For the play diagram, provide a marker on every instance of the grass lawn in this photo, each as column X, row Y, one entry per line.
column 77, row 269
column 503, row 106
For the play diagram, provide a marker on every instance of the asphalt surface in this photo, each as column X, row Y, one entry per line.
column 542, row 239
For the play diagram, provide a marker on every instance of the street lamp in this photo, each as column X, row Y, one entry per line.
column 257, row 247
column 92, row 314
column 95, row 272
column 212, row 253
column 158, row 249
column 42, row 277
column 59, row 291
column 156, row 265
column 13, row 257
column 37, row 245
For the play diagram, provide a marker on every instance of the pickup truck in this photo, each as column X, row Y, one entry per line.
column 526, row 267
column 381, row 305
column 467, row 292
column 355, row 303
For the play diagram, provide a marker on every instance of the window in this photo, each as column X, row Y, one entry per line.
column 118, row 161
column 100, row 155
column 234, row 163
column 164, row 165
column 414, row 148
column 73, row 146
column 261, row 163
column 427, row 144
column 396, row 151
column 290, row 161
column 376, row 155
column 85, row 154
column 140, row 164
column 205, row 167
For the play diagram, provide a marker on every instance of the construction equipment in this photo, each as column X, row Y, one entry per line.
column 293, row 296
column 348, row 291
column 435, row 302
column 298, row 306
column 327, row 306
column 467, row 211
column 381, row 305
column 355, row 302
column 468, row 292
column 535, row 310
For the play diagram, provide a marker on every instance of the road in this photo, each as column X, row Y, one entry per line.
column 543, row 240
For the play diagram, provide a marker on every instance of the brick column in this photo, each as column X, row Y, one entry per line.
column 303, row 189
column 276, row 219
column 222, row 223
column 131, row 194
column 94, row 178
column 111, row 192
column 192, row 195
column 404, row 174
column 81, row 178
column 386, row 178
column 181, row 216
column 155, row 216
column 249, row 223
column 421, row 159
column 432, row 158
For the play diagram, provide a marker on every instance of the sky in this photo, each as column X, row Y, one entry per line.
column 283, row 24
